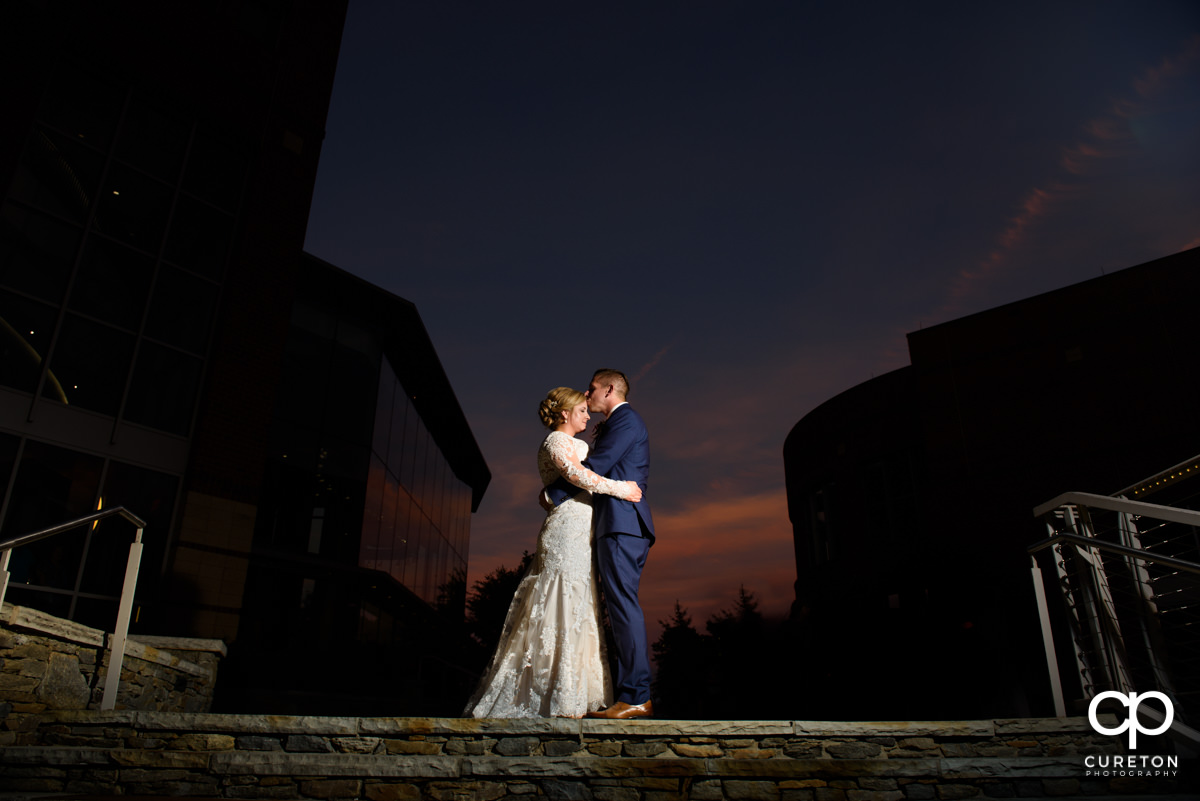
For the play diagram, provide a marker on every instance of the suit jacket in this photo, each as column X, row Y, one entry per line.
column 622, row 453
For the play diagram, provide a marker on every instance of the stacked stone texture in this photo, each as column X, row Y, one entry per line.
column 409, row 759
column 40, row 673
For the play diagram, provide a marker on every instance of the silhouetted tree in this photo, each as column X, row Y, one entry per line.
column 681, row 684
column 745, row 666
column 449, row 637
column 488, row 604
column 740, row 659
column 452, row 596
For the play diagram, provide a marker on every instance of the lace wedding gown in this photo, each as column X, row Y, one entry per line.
column 551, row 659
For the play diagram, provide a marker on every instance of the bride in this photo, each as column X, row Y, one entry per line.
column 551, row 661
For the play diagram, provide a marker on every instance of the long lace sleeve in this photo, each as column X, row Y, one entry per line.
column 562, row 454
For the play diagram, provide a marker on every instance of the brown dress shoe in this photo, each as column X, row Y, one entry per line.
column 623, row 711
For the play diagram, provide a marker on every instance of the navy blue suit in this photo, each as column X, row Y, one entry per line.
column 624, row 532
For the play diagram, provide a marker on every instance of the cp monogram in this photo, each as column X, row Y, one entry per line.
column 1133, row 701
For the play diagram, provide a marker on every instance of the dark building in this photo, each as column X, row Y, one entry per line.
column 911, row 495
column 287, row 431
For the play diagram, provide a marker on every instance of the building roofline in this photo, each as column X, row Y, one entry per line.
column 407, row 346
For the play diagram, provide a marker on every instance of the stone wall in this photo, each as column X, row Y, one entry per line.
column 419, row 759
column 50, row 664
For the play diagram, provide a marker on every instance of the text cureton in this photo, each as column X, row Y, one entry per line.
column 1131, row 761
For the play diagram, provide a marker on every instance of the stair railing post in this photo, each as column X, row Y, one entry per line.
column 1039, row 591
column 4, row 556
column 116, row 657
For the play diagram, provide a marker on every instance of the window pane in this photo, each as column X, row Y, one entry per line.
column 82, row 107
column 383, row 413
column 112, row 283
column 215, row 171
column 402, row 545
column 303, row 380
column 165, row 383
column 133, row 209
column 396, row 440
column 58, row 175
column 8, row 458
column 350, row 409
column 25, row 330
column 153, row 141
column 97, row 613
column 368, row 552
column 151, row 496
column 182, row 311
column 91, row 362
column 53, row 485
column 37, row 252
column 23, row 594
column 387, row 556
column 200, row 238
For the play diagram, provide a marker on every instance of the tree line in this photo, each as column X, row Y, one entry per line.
column 741, row 666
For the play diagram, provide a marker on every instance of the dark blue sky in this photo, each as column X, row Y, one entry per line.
column 745, row 206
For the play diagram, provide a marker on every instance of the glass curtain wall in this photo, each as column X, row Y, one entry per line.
column 356, row 478
column 417, row 522
column 355, row 487
column 78, row 574
column 114, row 239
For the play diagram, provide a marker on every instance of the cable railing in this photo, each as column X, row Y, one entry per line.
column 124, row 610
column 1129, row 578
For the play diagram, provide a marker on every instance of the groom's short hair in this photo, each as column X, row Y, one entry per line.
column 606, row 375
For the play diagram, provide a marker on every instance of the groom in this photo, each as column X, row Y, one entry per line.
column 624, row 532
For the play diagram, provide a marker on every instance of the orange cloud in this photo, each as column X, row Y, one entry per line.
column 705, row 551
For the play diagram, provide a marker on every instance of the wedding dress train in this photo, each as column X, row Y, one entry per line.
column 551, row 660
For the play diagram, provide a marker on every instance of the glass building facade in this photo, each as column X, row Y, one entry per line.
column 115, row 233
column 285, row 429
column 416, row 525
column 364, row 521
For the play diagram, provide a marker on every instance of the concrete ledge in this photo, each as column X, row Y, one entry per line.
column 148, row 649
column 208, row 722
column 454, row 759
column 183, row 643
column 904, row 728
column 42, row 623
column 537, row 727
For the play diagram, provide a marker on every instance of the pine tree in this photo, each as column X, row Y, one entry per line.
column 488, row 603
column 681, row 655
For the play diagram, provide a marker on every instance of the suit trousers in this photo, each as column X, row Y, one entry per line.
column 620, row 559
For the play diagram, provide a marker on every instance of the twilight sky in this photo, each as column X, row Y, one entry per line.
column 744, row 206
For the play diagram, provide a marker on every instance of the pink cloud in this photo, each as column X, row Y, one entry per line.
column 705, row 552
column 1107, row 138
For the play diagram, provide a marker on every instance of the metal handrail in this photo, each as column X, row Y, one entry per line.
column 1180, row 471
column 25, row 539
column 124, row 610
column 1100, row 545
column 1170, row 513
column 1083, row 503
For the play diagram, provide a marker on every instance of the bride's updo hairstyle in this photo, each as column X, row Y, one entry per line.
column 558, row 400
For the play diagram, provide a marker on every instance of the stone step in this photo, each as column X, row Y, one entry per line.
column 78, row 754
